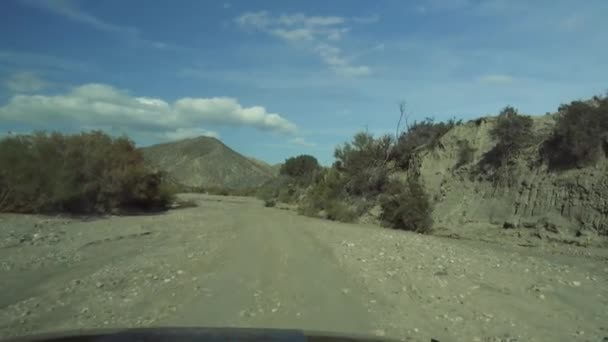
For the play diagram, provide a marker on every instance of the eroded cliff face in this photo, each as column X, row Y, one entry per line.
column 565, row 203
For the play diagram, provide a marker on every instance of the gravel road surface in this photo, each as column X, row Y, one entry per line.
column 232, row 262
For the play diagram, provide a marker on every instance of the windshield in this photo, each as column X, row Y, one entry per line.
column 407, row 170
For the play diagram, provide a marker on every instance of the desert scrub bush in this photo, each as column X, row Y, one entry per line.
column 301, row 166
column 269, row 203
column 337, row 210
column 466, row 153
column 580, row 136
column 420, row 135
column 82, row 173
column 327, row 187
column 512, row 133
column 363, row 162
column 407, row 206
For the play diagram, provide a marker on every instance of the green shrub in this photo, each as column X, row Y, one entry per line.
column 82, row 173
column 580, row 135
column 512, row 132
column 424, row 134
column 466, row 153
column 327, row 187
column 363, row 161
column 269, row 203
column 340, row 211
column 300, row 166
column 407, row 206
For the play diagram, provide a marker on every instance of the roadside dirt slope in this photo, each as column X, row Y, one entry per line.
column 568, row 206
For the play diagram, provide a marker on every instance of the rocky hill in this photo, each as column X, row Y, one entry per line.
column 207, row 162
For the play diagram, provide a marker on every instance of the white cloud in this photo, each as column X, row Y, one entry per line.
column 495, row 79
column 332, row 56
column 302, row 142
column 99, row 105
column 25, row 82
column 319, row 34
column 227, row 111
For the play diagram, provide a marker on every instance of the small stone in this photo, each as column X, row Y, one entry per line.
column 167, row 280
column 576, row 283
column 372, row 301
column 541, row 296
column 84, row 310
column 345, row 291
column 99, row 285
column 180, row 272
column 379, row 332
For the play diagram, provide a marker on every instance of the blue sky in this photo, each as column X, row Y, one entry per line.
column 274, row 79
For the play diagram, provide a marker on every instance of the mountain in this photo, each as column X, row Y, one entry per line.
column 207, row 162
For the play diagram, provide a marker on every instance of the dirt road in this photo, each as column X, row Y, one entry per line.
column 232, row 262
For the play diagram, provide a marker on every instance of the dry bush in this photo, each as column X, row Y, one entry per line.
column 363, row 162
column 81, row 173
column 339, row 211
column 425, row 134
column 513, row 132
column 466, row 153
column 407, row 206
column 580, row 136
column 300, row 166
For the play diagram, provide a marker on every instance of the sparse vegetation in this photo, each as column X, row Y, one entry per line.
column 269, row 203
column 580, row 136
column 420, row 135
column 407, row 206
column 363, row 161
column 512, row 132
column 340, row 211
column 81, row 173
column 466, row 153
column 327, row 187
